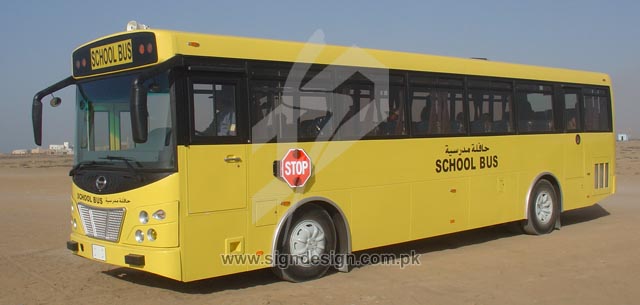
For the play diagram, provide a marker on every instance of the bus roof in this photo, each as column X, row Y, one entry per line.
column 171, row 43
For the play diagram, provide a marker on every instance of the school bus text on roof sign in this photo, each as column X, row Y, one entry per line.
column 114, row 54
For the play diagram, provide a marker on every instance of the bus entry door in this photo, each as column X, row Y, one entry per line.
column 216, row 161
column 217, row 178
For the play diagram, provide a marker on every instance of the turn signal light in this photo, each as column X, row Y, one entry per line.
column 159, row 215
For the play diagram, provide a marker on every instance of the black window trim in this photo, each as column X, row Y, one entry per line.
column 246, row 71
column 203, row 77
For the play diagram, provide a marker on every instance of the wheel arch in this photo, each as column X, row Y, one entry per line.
column 341, row 225
column 556, row 185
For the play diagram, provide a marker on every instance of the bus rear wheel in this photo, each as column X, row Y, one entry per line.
column 543, row 209
column 305, row 253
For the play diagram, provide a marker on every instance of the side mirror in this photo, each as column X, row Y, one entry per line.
column 139, row 112
column 55, row 101
column 36, row 108
column 36, row 119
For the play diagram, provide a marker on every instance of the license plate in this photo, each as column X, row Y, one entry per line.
column 99, row 252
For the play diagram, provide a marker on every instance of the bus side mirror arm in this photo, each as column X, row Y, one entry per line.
column 36, row 108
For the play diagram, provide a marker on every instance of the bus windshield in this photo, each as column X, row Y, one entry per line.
column 103, row 125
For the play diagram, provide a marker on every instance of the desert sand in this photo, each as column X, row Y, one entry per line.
column 593, row 259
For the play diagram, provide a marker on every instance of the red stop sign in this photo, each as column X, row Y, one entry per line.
column 295, row 167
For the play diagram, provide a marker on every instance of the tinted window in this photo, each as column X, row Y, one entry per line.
column 535, row 108
column 490, row 112
column 597, row 114
column 271, row 117
column 437, row 111
column 571, row 112
column 361, row 110
column 287, row 113
column 214, row 109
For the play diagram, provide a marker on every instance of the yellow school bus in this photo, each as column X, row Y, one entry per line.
column 192, row 149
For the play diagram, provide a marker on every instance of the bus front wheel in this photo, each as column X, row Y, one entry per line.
column 543, row 209
column 305, row 251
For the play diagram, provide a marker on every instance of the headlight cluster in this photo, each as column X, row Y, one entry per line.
column 151, row 234
column 74, row 223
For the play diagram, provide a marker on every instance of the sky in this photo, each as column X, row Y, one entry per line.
column 38, row 38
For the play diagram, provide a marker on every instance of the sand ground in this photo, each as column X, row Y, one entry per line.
column 593, row 259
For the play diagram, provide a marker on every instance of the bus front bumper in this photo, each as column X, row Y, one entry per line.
column 162, row 261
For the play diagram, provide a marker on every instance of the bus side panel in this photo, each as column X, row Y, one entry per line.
column 214, row 213
column 574, row 189
column 439, row 207
column 381, row 216
column 599, row 168
column 494, row 200
column 208, row 238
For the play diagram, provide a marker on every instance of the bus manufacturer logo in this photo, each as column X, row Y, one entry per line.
column 101, row 183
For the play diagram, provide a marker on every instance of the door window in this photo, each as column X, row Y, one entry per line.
column 214, row 109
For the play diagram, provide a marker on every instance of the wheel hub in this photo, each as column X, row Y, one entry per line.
column 307, row 242
column 544, row 207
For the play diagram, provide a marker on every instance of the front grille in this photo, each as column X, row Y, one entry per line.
column 101, row 223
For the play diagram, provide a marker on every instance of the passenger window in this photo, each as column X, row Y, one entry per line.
column 597, row 113
column 535, row 108
column 314, row 116
column 355, row 111
column 571, row 112
column 490, row 113
column 490, row 106
column 392, row 105
column 437, row 112
column 289, row 113
column 271, row 117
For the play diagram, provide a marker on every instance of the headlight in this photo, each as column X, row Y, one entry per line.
column 139, row 236
column 74, row 224
column 159, row 215
column 152, row 234
column 143, row 217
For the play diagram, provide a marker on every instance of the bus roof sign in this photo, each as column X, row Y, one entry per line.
column 115, row 53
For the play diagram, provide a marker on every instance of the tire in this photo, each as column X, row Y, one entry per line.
column 543, row 209
column 307, row 244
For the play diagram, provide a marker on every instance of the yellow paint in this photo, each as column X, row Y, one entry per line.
column 389, row 190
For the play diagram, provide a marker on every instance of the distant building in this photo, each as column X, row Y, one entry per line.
column 20, row 152
column 64, row 149
column 623, row 137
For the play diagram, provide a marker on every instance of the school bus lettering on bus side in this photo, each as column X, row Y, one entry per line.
column 114, row 54
column 458, row 160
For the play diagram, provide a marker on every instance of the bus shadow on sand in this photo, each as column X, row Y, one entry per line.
column 583, row 215
column 480, row 235
column 433, row 244
column 228, row 282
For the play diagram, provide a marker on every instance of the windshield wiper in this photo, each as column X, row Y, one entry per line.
column 129, row 166
column 84, row 164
